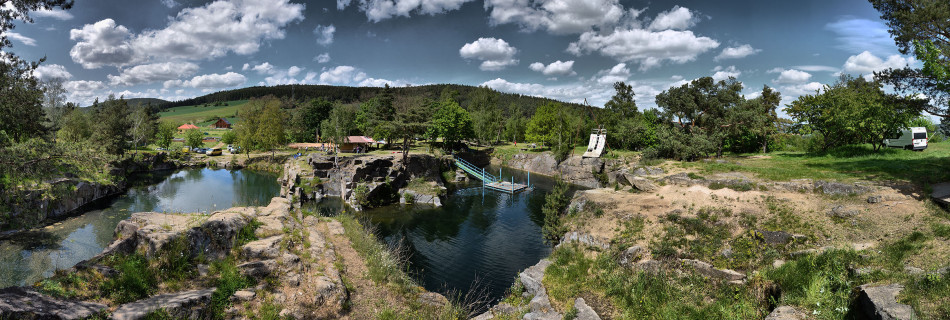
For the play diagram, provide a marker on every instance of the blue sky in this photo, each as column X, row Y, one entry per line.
column 563, row 49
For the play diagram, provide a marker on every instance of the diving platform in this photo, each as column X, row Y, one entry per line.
column 492, row 182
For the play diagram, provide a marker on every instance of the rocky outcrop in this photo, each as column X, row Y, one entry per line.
column 784, row 313
column 838, row 188
column 879, row 302
column 574, row 170
column 584, row 312
column 366, row 181
column 583, row 239
column 708, row 270
column 62, row 198
column 24, row 303
column 181, row 305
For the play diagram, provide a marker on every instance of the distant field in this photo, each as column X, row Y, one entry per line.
column 198, row 114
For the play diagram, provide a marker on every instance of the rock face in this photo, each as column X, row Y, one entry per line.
column 574, row 170
column 24, row 303
column 844, row 212
column 642, row 184
column 181, row 305
column 709, row 271
column 879, row 302
column 779, row 237
column 584, row 312
column 837, row 188
column 784, row 313
column 584, row 239
column 63, row 197
column 380, row 180
column 630, row 256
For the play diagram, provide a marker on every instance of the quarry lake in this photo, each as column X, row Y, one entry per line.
column 30, row 256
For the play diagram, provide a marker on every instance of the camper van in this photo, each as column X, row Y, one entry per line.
column 911, row 139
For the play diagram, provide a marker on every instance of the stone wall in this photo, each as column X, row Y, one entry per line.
column 574, row 170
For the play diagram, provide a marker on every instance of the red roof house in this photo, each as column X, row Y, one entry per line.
column 356, row 141
column 187, row 126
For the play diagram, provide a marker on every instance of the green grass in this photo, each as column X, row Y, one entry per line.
column 846, row 164
column 136, row 279
column 198, row 114
column 640, row 295
column 819, row 284
column 229, row 280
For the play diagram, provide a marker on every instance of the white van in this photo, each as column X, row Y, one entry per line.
column 911, row 139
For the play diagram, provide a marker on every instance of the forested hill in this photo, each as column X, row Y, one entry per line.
column 358, row 94
column 146, row 101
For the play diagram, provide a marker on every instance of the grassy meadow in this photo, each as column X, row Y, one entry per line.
column 199, row 114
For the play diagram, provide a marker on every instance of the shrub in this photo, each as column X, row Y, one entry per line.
column 229, row 281
column 136, row 280
column 554, row 203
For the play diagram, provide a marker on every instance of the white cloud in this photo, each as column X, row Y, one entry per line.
column 199, row 33
column 556, row 68
column 293, row 71
column 245, row 67
column 857, row 35
column 647, row 48
column 737, row 52
column 55, row 14
column 792, row 91
column 209, row 81
column 170, row 3
column 619, row 72
column 495, row 54
column 378, row 10
column 677, row 18
column 324, row 34
column 83, row 87
column 866, row 63
column 100, row 44
column 556, row 16
column 52, row 71
column 264, row 68
column 21, row 38
column 725, row 73
column 148, row 73
column 817, row 68
column 342, row 75
column 791, row 76
column 322, row 58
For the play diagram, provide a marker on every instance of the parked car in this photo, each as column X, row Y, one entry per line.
column 186, row 149
column 910, row 139
column 214, row 152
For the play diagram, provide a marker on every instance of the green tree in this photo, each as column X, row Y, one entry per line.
column 515, row 127
column 921, row 27
column 76, row 126
column 338, row 126
column 271, row 130
column 228, row 137
column 194, row 138
column 486, row 116
column 144, row 125
column 854, row 110
column 246, row 130
column 451, row 123
column 702, row 108
column 412, row 120
column 555, row 203
column 262, row 125
column 165, row 134
column 112, row 126
column 307, row 119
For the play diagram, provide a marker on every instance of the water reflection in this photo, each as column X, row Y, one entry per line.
column 479, row 238
column 30, row 256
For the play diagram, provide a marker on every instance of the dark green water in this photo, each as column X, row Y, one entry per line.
column 477, row 242
column 33, row 255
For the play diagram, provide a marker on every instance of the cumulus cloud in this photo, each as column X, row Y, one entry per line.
column 21, row 38
column 263, row 68
column 556, row 16
column 791, row 91
column 495, row 54
column 83, row 87
column 736, row 52
column 556, row 68
column 324, row 34
column 148, row 73
column 677, row 18
column 322, row 58
column 349, row 75
column 378, row 10
column 648, row 48
column 55, row 14
column 100, row 44
column 725, row 73
column 51, row 71
column 791, row 76
column 170, row 3
column 619, row 72
column 198, row 33
column 866, row 63
column 209, row 81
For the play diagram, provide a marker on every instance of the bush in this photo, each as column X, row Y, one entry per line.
column 229, row 281
column 136, row 280
column 554, row 203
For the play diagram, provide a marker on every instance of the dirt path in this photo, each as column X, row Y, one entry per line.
column 366, row 297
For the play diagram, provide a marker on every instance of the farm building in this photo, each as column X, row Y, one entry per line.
column 356, row 141
column 222, row 123
column 186, row 127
